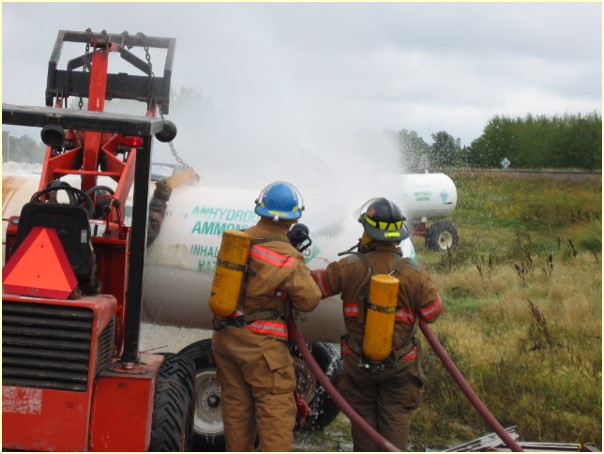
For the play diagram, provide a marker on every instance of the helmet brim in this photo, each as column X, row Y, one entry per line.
column 386, row 235
column 288, row 215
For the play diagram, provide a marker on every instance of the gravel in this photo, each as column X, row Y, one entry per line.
column 170, row 339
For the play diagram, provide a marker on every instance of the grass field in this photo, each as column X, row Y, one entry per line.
column 523, row 292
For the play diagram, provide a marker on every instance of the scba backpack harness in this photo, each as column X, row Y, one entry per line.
column 377, row 310
column 232, row 269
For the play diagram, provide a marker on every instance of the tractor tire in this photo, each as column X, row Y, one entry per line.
column 173, row 406
column 208, row 430
column 442, row 236
column 324, row 410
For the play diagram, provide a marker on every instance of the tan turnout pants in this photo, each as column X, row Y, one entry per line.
column 257, row 378
column 384, row 399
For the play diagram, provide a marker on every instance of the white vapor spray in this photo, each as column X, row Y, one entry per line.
column 281, row 123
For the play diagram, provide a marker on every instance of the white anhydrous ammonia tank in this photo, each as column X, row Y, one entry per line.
column 429, row 195
column 180, row 263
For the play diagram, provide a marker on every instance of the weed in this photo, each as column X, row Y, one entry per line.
column 549, row 268
column 539, row 336
column 533, row 245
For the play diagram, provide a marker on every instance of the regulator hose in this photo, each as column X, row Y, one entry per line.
column 354, row 417
column 467, row 389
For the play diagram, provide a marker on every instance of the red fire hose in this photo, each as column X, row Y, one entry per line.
column 356, row 419
column 467, row 389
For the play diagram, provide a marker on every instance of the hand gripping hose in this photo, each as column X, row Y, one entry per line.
column 354, row 417
column 467, row 390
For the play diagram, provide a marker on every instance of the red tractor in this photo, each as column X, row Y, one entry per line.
column 73, row 378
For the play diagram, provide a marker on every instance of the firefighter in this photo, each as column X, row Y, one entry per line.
column 383, row 392
column 254, row 367
column 160, row 198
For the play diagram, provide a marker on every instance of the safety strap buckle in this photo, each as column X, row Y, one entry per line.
column 371, row 366
column 219, row 324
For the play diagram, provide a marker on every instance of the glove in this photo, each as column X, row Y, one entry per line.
column 186, row 175
column 298, row 237
column 162, row 190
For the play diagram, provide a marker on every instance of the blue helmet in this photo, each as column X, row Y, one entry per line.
column 279, row 200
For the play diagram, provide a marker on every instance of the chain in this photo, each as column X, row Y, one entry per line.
column 125, row 35
column 178, row 159
column 147, row 55
column 172, row 148
column 84, row 67
column 170, row 144
column 148, row 58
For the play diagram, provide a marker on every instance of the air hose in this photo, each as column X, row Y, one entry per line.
column 467, row 389
column 354, row 417
column 357, row 420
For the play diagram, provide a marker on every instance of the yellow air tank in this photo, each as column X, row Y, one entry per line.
column 381, row 312
column 230, row 272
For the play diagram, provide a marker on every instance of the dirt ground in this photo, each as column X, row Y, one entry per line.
column 155, row 338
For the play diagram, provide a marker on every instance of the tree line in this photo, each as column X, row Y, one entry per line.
column 570, row 141
column 21, row 149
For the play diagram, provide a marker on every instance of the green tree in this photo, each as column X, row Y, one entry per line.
column 579, row 142
column 446, row 150
column 539, row 141
column 21, row 149
column 414, row 151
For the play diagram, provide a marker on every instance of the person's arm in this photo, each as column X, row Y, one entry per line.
column 161, row 195
column 431, row 304
column 157, row 209
column 302, row 290
column 329, row 279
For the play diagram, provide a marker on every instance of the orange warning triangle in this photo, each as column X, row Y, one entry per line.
column 40, row 267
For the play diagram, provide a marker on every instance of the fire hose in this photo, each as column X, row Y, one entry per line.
column 354, row 417
column 357, row 420
column 467, row 389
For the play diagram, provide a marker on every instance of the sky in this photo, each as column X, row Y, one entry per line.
column 324, row 83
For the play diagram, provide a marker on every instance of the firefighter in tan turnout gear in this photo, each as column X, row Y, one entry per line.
column 383, row 387
column 254, row 367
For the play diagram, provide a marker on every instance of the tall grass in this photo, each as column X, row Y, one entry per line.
column 523, row 292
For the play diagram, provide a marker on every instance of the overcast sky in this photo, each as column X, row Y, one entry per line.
column 301, row 78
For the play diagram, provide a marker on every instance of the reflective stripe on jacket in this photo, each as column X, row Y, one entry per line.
column 276, row 328
column 417, row 295
column 277, row 273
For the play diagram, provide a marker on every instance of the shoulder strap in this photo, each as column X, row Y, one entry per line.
column 403, row 262
column 269, row 239
column 363, row 291
column 250, row 273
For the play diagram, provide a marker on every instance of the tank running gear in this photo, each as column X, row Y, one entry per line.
column 383, row 221
column 279, row 200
